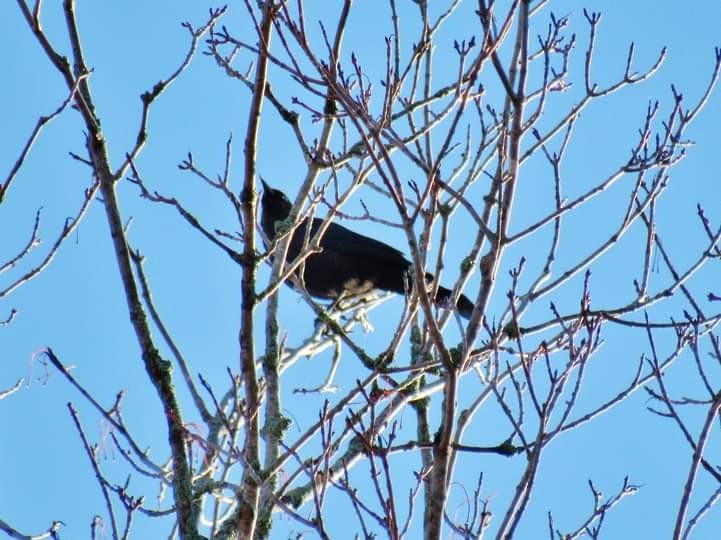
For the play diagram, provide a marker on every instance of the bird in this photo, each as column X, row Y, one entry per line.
column 349, row 264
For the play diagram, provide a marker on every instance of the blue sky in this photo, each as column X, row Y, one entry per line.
column 77, row 307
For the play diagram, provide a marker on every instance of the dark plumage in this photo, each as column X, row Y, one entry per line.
column 350, row 264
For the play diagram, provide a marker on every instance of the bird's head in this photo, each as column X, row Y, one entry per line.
column 275, row 206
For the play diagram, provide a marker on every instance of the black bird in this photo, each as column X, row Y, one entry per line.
column 350, row 264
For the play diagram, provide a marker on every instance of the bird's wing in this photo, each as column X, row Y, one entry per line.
column 341, row 240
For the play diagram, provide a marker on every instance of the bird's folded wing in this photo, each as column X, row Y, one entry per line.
column 344, row 241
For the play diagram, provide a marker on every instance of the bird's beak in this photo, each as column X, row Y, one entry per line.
column 266, row 187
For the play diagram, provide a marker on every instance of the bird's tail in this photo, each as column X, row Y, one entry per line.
column 463, row 304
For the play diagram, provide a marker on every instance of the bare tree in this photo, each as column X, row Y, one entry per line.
column 446, row 137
